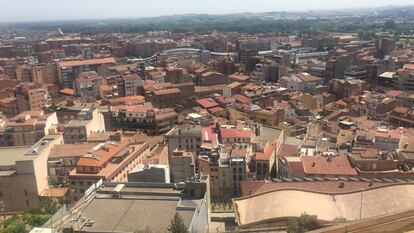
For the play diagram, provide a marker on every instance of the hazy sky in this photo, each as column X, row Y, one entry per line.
column 28, row 10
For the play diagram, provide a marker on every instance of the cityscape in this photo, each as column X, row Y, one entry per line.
column 207, row 119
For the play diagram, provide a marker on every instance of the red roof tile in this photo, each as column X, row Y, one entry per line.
column 320, row 165
column 102, row 156
column 215, row 110
column 207, row 103
column 108, row 60
column 67, row 91
column 235, row 133
column 242, row 99
column 266, row 154
column 395, row 134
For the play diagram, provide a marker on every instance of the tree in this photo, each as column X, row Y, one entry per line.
column 14, row 224
column 305, row 223
column 177, row 225
column 3, row 209
column 390, row 24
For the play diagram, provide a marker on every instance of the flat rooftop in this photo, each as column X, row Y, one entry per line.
column 9, row 155
column 268, row 134
column 39, row 147
column 129, row 215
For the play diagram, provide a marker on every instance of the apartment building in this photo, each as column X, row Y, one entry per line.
column 182, row 165
column 177, row 75
column 27, row 128
column 87, row 85
column 30, row 96
column 184, row 138
column 167, row 98
column 78, row 130
column 256, row 44
column 8, row 106
column 301, row 82
column 111, row 162
column 68, row 71
column 24, row 175
column 45, row 73
column 404, row 80
column 132, row 83
column 146, row 118
column 24, row 73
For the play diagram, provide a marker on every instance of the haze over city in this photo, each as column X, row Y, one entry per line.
column 44, row 10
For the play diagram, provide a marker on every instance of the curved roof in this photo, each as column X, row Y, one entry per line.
column 280, row 204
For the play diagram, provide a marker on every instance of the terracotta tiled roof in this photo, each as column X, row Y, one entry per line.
column 102, row 156
column 395, row 134
column 207, row 135
column 207, row 103
column 67, row 91
column 167, row 91
column 242, row 99
column 215, row 109
column 108, row 60
column 289, row 150
column 129, row 100
column 235, row 133
column 105, row 88
column 320, row 165
column 266, row 154
column 70, row 150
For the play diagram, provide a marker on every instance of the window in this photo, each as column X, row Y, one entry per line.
column 1, row 194
column 80, row 182
column 27, row 203
column 82, row 191
column 26, row 193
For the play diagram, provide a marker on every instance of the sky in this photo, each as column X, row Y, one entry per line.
column 41, row 10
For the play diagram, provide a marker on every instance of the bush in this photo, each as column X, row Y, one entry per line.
column 305, row 223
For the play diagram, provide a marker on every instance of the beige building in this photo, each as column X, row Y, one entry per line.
column 182, row 165
column 110, row 162
column 45, row 73
column 24, row 73
column 27, row 128
column 23, row 175
column 78, row 130
column 184, row 139
column 30, row 96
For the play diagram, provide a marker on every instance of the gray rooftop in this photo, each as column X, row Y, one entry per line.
column 9, row 155
column 268, row 134
column 187, row 130
column 129, row 215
